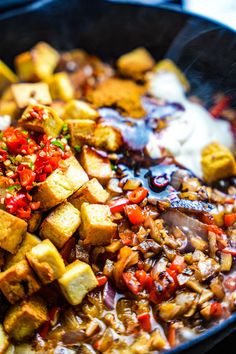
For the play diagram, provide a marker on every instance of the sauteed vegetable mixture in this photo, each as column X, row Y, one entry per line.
column 117, row 205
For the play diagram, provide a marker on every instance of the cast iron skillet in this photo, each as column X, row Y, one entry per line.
column 205, row 51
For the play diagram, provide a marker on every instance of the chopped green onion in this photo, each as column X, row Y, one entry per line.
column 59, row 144
column 12, row 188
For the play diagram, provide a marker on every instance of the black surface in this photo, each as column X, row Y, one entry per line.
column 205, row 51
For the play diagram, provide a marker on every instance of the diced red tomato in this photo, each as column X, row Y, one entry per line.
column 117, row 205
column 229, row 250
column 218, row 108
column 178, row 264
column 145, row 322
column 145, row 279
column 132, row 283
column 135, row 214
column 102, row 279
column 44, row 329
column 26, row 176
column 229, row 219
column 216, row 309
column 138, row 195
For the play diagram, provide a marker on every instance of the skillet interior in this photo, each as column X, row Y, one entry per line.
column 204, row 50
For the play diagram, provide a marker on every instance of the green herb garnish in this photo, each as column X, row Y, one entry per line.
column 77, row 148
column 59, row 144
column 12, row 188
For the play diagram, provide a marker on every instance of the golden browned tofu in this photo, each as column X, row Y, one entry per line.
column 81, row 131
column 77, row 281
column 217, row 162
column 25, row 94
column 4, row 341
column 18, row 282
column 24, row 318
column 96, row 165
column 74, row 172
column 76, row 109
column 61, row 87
column 96, row 227
column 37, row 64
column 12, row 232
column 134, row 64
column 41, row 119
column 60, row 224
column 107, row 138
column 29, row 242
column 167, row 65
column 46, row 261
column 34, row 221
column 91, row 192
column 53, row 191
column 7, row 76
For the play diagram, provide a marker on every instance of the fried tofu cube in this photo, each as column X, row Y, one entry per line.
column 29, row 242
column 61, row 87
column 41, row 119
column 74, row 172
column 25, row 94
column 60, row 224
column 107, row 138
column 217, row 162
column 13, row 230
column 91, row 192
column 34, row 221
column 96, row 227
column 81, row 131
column 7, row 76
column 167, row 65
column 37, row 64
column 18, row 282
column 46, row 261
column 77, row 281
column 96, row 165
column 24, row 318
column 76, row 109
column 135, row 63
column 4, row 341
column 53, row 191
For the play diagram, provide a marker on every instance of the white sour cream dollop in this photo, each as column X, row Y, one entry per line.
column 188, row 132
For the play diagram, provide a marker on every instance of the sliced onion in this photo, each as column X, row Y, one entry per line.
column 177, row 178
column 109, row 294
column 73, row 337
column 188, row 225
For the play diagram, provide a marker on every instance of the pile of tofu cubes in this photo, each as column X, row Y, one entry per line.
column 73, row 199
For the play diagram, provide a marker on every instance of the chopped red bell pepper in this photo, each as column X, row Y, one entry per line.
column 102, row 279
column 216, row 309
column 117, row 205
column 229, row 250
column 135, row 214
column 132, row 283
column 145, row 322
column 178, row 264
column 229, row 219
column 218, row 108
column 172, row 336
column 214, row 228
column 138, row 195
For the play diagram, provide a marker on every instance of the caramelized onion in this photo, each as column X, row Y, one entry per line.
column 109, row 294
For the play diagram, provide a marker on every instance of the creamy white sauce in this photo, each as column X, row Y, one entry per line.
column 189, row 132
column 5, row 122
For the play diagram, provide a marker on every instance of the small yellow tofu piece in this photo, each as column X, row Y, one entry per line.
column 60, row 224
column 7, row 76
column 167, row 65
column 74, row 172
column 24, row 318
column 41, row 119
column 53, row 191
column 13, row 230
column 96, row 165
column 29, row 242
column 107, row 138
column 34, row 221
column 76, row 109
column 37, row 64
column 77, row 281
column 134, row 64
column 18, row 282
column 25, row 94
column 217, row 162
column 4, row 341
column 91, row 192
column 96, row 225
column 61, row 87
column 81, row 131
column 46, row 261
